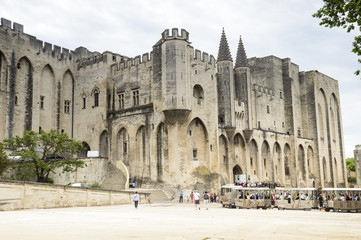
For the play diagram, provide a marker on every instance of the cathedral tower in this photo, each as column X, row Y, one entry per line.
column 225, row 84
column 243, row 85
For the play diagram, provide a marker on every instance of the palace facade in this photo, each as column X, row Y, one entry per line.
column 178, row 116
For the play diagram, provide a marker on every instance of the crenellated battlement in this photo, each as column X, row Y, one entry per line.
column 132, row 62
column 184, row 35
column 203, row 57
column 16, row 26
column 90, row 61
column 260, row 90
column 38, row 46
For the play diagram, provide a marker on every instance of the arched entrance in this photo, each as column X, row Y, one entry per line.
column 237, row 172
column 84, row 151
column 103, row 144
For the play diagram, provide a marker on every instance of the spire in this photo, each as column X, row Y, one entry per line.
column 241, row 59
column 223, row 52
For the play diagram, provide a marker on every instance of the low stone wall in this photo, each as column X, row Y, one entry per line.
column 28, row 195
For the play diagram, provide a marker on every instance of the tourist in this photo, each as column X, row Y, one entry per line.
column 289, row 198
column 320, row 200
column 181, row 197
column 197, row 197
column 136, row 199
column 191, row 196
column 206, row 200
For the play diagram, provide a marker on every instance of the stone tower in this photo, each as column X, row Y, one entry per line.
column 242, row 87
column 225, row 84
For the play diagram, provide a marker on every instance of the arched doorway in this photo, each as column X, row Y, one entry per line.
column 237, row 172
column 122, row 146
column 103, row 144
column 83, row 153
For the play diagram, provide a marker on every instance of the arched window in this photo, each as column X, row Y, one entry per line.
column 96, row 98
column 95, row 94
column 198, row 94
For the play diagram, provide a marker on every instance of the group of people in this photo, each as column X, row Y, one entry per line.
column 195, row 197
column 211, row 197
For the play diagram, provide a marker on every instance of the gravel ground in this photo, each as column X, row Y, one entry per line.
column 169, row 220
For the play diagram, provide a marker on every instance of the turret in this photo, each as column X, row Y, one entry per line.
column 241, row 59
column 242, row 82
column 175, row 80
column 225, row 84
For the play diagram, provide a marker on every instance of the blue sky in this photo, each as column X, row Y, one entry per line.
column 284, row 28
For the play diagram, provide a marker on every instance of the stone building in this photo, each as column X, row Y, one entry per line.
column 357, row 157
column 178, row 116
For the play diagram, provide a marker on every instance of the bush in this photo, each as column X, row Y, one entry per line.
column 351, row 179
column 96, row 185
column 49, row 180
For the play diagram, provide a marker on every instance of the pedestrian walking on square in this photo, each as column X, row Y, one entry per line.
column 206, row 200
column 136, row 199
column 192, row 196
column 197, row 198
column 181, row 197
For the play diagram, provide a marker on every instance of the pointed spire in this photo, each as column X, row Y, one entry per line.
column 223, row 52
column 241, row 59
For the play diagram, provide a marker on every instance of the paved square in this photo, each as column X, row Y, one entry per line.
column 176, row 221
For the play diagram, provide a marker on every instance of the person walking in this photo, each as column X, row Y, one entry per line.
column 136, row 199
column 320, row 200
column 192, row 197
column 197, row 198
column 206, row 200
column 181, row 197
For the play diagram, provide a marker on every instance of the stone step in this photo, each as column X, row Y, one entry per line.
column 114, row 179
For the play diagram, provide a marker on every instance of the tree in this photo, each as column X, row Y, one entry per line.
column 350, row 164
column 4, row 161
column 46, row 151
column 342, row 13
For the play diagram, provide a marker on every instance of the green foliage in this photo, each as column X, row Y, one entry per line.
column 23, row 171
column 351, row 179
column 96, row 185
column 4, row 161
column 45, row 152
column 350, row 164
column 345, row 14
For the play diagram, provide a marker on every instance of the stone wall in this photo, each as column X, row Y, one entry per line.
column 28, row 195
column 94, row 171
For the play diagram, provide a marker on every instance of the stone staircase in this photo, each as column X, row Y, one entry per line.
column 114, row 179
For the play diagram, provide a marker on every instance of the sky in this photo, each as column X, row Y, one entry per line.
column 283, row 28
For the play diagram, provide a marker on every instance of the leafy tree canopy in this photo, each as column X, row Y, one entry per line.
column 4, row 161
column 46, row 151
column 350, row 164
column 345, row 14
